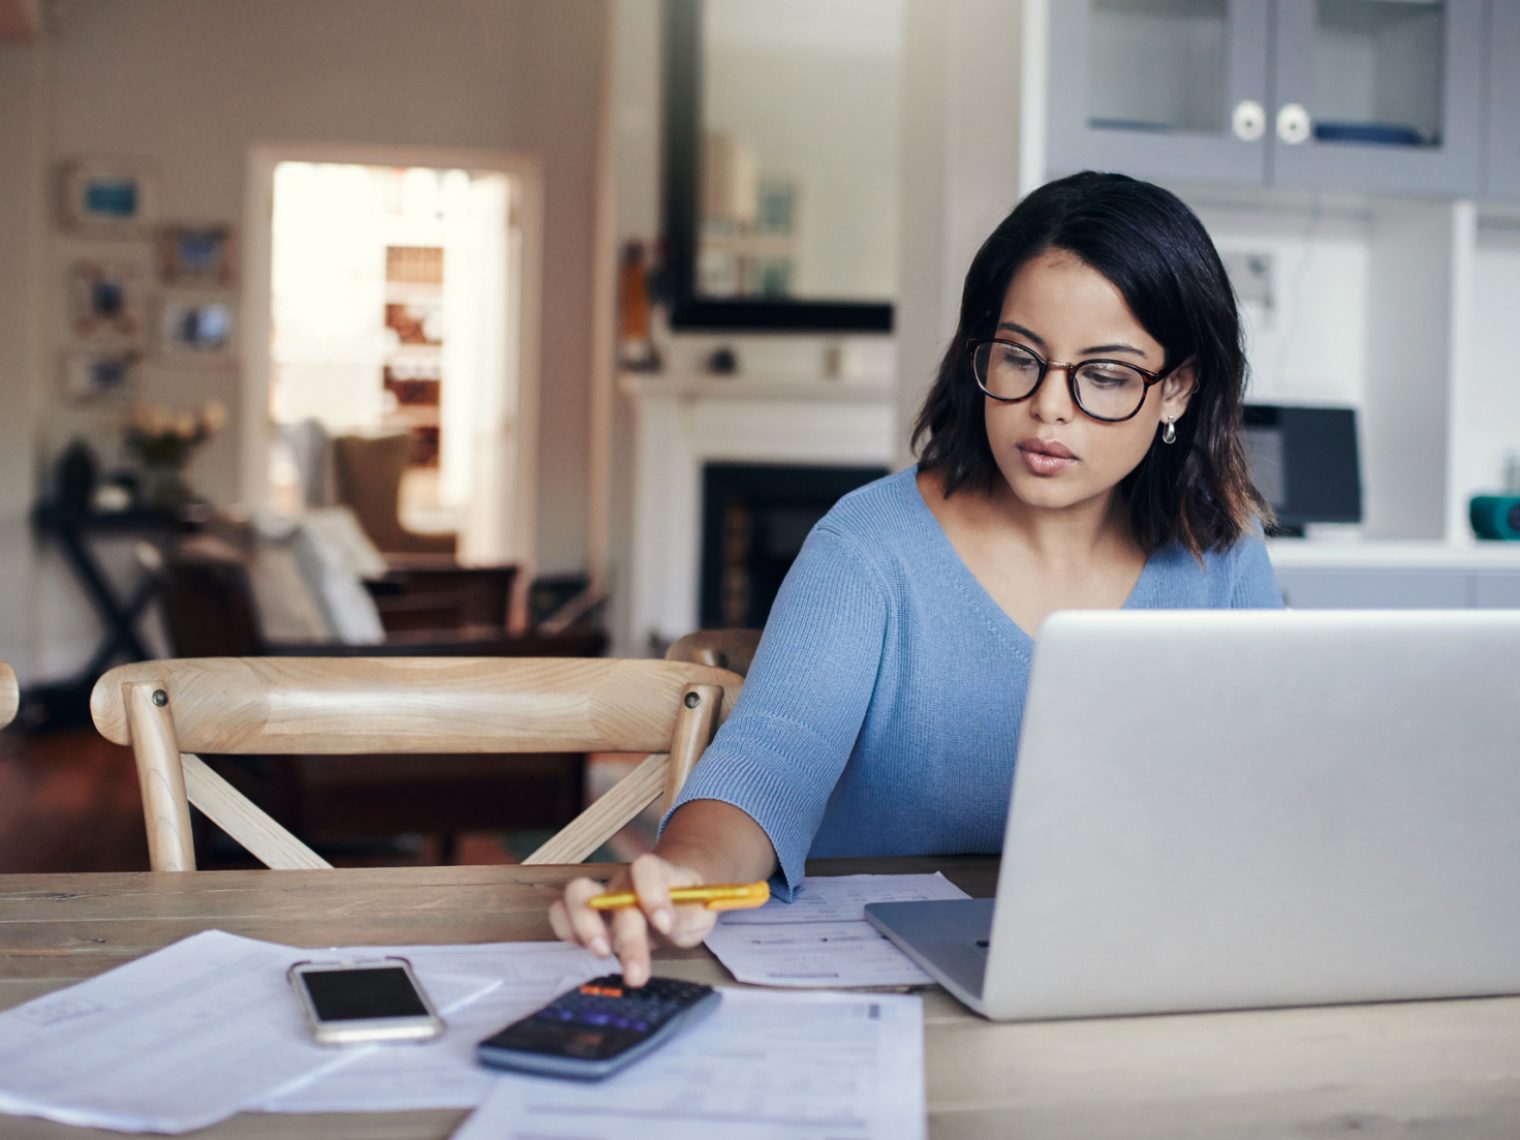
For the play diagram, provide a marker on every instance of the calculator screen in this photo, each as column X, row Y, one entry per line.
column 564, row 1040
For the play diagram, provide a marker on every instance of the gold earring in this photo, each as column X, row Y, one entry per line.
column 1169, row 433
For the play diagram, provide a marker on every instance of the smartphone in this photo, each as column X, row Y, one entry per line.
column 357, row 1001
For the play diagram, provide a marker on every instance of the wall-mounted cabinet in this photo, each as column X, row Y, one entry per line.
column 1502, row 167
column 1175, row 88
column 1360, row 95
column 1367, row 153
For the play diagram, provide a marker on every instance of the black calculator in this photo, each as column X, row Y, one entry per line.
column 597, row 1028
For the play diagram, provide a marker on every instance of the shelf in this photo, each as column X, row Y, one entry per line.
column 412, row 292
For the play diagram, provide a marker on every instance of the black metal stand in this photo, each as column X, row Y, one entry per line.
column 66, row 703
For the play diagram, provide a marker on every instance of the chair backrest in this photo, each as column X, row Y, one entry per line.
column 721, row 648
column 10, row 694
column 169, row 710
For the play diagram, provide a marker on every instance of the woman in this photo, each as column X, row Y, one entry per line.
column 1080, row 449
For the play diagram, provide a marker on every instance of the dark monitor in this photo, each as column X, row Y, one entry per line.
column 1305, row 463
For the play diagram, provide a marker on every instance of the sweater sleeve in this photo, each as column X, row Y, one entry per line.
column 1254, row 581
column 779, row 755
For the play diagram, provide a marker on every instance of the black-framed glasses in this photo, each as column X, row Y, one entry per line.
column 1107, row 390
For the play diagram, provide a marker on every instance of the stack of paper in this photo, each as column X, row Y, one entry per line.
column 801, row 1066
column 207, row 1027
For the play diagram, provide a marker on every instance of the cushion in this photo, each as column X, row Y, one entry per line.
column 307, row 580
column 286, row 604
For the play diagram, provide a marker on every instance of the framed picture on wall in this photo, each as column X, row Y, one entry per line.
column 108, row 197
column 101, row 376
column 197, row 326
column 196, row 255
column 106, row 300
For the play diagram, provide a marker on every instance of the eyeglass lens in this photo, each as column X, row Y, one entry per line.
column 1105, row 389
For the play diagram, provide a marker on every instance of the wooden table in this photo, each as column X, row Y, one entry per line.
column 1430, row 1069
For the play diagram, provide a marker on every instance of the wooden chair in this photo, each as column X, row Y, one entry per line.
column 721, row 648
column 10, row 694
column 360, row 803
column 168, row 711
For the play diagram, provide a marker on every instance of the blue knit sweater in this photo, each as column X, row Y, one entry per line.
column 881, row 714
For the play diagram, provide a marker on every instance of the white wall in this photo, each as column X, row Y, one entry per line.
column 18, row 223
column 960, row 172
column 1298, row 345
column 191, row 85
column 1491, row 425
column 631, row 167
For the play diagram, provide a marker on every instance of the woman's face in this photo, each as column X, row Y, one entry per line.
column 1051, row 454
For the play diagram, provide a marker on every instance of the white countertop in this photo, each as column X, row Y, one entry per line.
column 1361, row 554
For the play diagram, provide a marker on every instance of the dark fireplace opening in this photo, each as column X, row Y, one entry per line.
column 755, row 517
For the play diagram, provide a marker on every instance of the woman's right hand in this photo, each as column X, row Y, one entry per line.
column 625, row 932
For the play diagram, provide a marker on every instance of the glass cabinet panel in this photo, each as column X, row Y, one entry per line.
column 1157, row 65
column 1502, row 169
column 1378, row 94
column 1378, row 71
column 1169, row 89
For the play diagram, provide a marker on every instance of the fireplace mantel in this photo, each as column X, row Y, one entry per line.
column 686, row 421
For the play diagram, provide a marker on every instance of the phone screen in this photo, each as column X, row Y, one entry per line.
column 350, row 995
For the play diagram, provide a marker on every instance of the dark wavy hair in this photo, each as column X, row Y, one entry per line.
column 1197, row 491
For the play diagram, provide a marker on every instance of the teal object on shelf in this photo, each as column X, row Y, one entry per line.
column 1495, row 516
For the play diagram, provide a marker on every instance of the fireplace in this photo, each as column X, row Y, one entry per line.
column 755, row 517
column 832, row 435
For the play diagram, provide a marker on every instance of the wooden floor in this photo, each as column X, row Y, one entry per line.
column 69, row 802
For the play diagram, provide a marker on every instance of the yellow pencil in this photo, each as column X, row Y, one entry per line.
column 718, row 896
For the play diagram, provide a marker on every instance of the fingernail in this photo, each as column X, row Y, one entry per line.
column 663, row 920
column 635, row 975
column 600, row 948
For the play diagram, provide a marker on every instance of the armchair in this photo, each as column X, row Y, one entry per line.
column 367, row 473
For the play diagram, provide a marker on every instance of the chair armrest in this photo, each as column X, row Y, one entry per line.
column 419, row 593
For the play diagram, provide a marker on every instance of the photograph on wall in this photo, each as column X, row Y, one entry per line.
column 196, row 255
column 108, row 198
column 198, row 326
column 776, row 207
column 106, row 300
column 103, row 376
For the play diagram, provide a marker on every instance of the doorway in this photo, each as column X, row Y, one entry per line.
column 392, row 291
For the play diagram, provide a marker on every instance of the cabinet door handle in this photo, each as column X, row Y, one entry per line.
column 1249, row 120
column 1293, row 124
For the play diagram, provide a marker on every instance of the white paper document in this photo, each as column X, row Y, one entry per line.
column 798, row 1066
column 822, row 938
column 202, row 1029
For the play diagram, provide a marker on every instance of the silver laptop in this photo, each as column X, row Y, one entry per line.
column 1224, row 810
